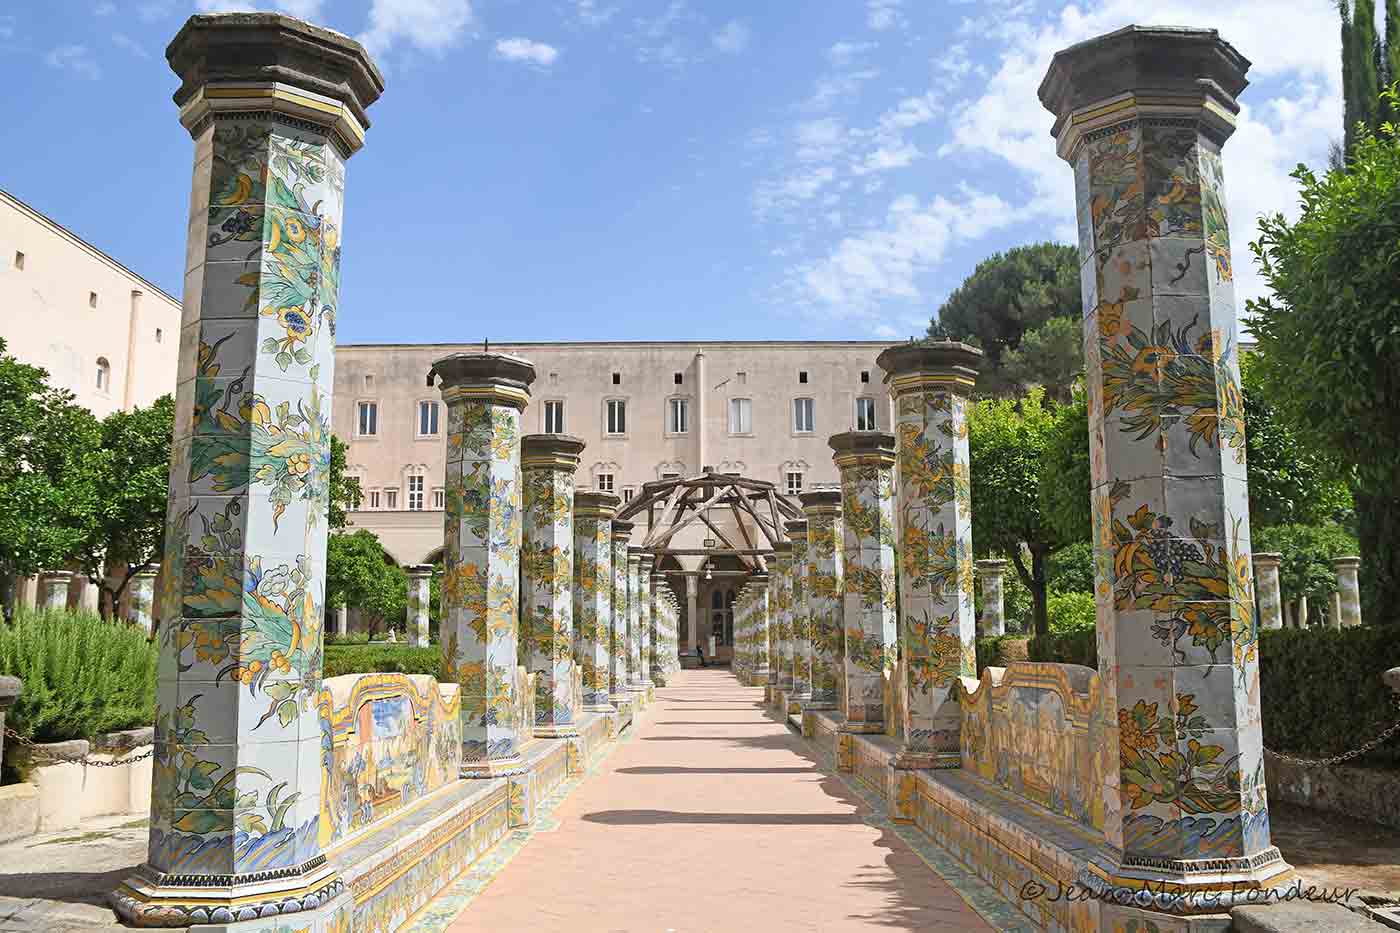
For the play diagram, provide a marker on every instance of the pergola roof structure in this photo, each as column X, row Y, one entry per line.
column 744, row 517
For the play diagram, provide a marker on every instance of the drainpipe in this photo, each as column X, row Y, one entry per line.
column 701, row 427
column 133, row 318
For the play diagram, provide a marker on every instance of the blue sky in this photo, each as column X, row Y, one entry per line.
column 651, row 169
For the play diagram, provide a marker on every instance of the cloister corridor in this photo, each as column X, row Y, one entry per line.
column 715, row 816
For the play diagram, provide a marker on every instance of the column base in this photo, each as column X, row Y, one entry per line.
column 1190, row 886
column 153, row 898
column 606, row 707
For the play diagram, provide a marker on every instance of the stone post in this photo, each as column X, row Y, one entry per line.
column 485, row 394
column 929, row 385
column 1348, row 589
column 825, row 590
column 593, row 583
column 618, row 642
column 420, row 578
column 275, row 106
column 53, row 591
column 10, row 689
column 801, row 618
column 342, row 621
column 1141, row 115
column 992, row 573
column 866, row 460
column 548, row 463
column 646, row 612
column 1266, row 588
column 141, row 604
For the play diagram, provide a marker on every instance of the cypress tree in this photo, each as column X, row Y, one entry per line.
column 1349, row 114
column 1392, row 50
column 1365, row 47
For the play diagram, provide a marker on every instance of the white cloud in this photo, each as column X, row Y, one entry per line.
column 733, row 38
column 843, row 53
column 122, row 41
column 833, row 88
column 590, row 14
column 771, row 197
column 1008, row 122
column 431, row 25
column 884, row 158
column 527, row 52
column 74, row 58
column 954, row 62
column 883, row 14
column 885, row 262
column 655, row 38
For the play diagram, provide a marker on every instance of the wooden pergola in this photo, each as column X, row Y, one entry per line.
column 757, row 509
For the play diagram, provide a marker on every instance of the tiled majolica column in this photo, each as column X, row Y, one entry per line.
column 485, row 394
column 1267, row 591
column 53, row 592
column 593, row 583
column 656, row 632
column 992, row 574
column 825, row 596
column 866, row 460
column 1348, row 589
column 780, row 604
column 929, row 383
column 618, row 643
column 634, row 620
column 142, row 600
column 275, row 107
column 420, row 578
column 548, row 463
column 641, row 645
column 760, row 630
column 801, row 619
column 1141, row 115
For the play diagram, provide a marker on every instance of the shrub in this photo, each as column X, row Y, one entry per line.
column 1071, row 612
column 380, row 658
column 82, row 676
column 1322, row 694
column 1072, row 646
column 999, row 651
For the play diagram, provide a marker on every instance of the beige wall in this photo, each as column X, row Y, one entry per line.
column 580, row 374
column 48, row 317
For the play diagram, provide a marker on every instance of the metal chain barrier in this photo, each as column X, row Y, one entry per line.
column 1345, row 756
column 51, row 758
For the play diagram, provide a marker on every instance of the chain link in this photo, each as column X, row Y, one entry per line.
column 50, row 757
column 1344, row 756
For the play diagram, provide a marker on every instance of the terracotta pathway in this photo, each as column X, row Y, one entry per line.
column 714, row 817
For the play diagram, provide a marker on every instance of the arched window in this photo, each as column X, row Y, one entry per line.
column 104, row 374
column 717, row 616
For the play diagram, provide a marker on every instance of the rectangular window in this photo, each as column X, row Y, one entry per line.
column 802, row 409
column 617, row 416
column 802, row 376
column 742, row 378
column 92, row 299
column 865, row 375
column 369, row 419
column 159, row 334
column 865, row 414
column 679, row 378
column 415, row 493
column 439, row 499
column 617, row 379
column 670, row 476
column 740, row 416
column 372, row 500
column 554, row 417
column 605, row 482
column 369, row 382
column 794, row 482
column 427, row 419
column 627, row 493
column 19, row 260
column 391, row 498
column 678, row 415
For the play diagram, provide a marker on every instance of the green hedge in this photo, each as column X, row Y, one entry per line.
column 1074, row 646
column 82, row 676
column 369, row 659
column 1321, row 690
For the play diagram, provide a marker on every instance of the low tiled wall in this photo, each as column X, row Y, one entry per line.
column 393, row 739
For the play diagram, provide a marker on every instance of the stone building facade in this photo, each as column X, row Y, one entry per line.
column 646, row 411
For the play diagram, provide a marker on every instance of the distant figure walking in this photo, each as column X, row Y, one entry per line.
column 700, row 653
